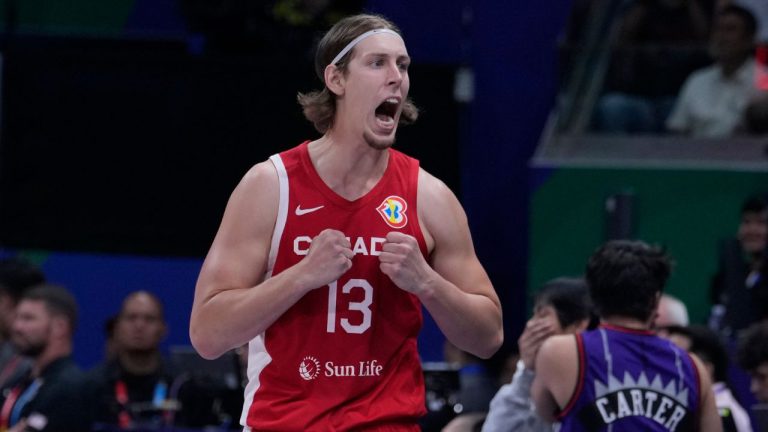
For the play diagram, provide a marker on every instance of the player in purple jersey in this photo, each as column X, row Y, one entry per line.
column 621, row 376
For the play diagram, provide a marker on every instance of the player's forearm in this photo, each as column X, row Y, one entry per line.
column 472, row 322
column 232, row 317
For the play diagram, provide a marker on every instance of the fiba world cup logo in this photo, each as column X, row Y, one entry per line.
column 392, row 210
column 309, row 368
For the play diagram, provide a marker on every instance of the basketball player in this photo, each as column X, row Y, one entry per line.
column 622, row 377
column 326, row 253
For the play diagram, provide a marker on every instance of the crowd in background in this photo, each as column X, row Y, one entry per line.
column 689, row 67
column 733, row 343
column 137, row 386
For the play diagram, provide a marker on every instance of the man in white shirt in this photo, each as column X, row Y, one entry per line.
column 713, row 99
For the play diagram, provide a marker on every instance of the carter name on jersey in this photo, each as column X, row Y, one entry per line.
column 647, row 403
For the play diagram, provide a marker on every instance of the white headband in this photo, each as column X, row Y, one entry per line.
column 357, row 40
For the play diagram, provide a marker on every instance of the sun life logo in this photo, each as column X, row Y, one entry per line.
column 309, row 368
column 392, row 209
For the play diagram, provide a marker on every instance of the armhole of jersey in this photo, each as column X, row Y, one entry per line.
column 282, row 211
column 697, row 374
column 415, row 170
column 581, row 364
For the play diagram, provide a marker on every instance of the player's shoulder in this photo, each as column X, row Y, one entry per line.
column 258, row 188
column 262, row 174
column 559, row 347
column 432, row 188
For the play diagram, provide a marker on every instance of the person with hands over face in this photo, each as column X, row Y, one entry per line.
column 561, row 307
column 621, row 376
column 327, row 251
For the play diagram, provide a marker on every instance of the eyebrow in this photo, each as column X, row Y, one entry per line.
column 382, row 54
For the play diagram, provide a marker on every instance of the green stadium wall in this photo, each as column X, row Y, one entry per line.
column 687, row 212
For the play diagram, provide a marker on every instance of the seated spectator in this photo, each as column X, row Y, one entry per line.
column 706, row 344
column 132, row 388
column 476, row 382
column 739, row 290
column 713, row 100
column 561, row 307
column 50, row 397
column 759, row 9
column 670, row 312
column 752, row 356
column 17, row 275
column 756, row 115
column 660, row 42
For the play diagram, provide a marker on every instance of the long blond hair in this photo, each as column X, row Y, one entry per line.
column 319, row 107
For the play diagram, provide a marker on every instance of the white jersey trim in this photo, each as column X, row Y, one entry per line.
column 258, row 357
column 282, row 212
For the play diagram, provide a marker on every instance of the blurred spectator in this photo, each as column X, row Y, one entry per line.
column 50, row 397
column 759, row 9
column 132, row 389
column 753, row 357
column 17, row 275
column 756, row 114
column 508, row 367
column 660, row 42
column 713, row 100
column 739, row 290
column 476, row 382
column 110, row 347
column 707, row 346
column 671, row 311
column 665, row 21
column 561, row 307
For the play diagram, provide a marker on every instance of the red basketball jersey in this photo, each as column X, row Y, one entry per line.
column 344, row 357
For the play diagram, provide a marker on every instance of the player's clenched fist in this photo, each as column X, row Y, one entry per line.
column 402, row 261
column 329, row 257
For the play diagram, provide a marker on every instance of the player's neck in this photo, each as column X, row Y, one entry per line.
column 350, row 169
column 626, row 322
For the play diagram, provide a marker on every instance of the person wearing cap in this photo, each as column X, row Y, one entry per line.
column 327, row 252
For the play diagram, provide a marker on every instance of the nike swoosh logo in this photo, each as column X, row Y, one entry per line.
column 300, row 211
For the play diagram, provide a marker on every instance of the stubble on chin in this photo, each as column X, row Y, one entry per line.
column 379, row 143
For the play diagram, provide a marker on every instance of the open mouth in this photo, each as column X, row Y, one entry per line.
column 387, row 110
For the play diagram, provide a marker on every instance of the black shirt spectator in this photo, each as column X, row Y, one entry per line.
column 50, row 397
column 122, row 399
column 740, row 287
column 52, row 401
column 136, row 387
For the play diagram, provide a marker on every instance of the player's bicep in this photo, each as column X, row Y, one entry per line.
column 445, row 224
column 239, row 253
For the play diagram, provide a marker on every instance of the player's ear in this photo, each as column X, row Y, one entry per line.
column 334, row 79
